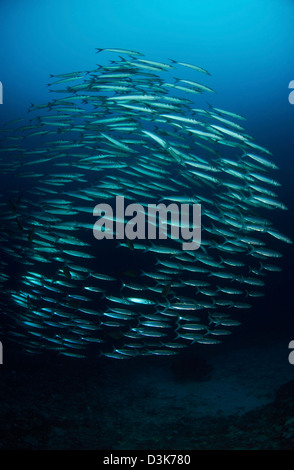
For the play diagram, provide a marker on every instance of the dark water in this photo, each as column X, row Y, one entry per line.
column 226, row 396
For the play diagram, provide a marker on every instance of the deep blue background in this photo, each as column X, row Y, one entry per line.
column 247, row 46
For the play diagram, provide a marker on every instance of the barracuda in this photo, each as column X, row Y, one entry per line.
column 127, row 129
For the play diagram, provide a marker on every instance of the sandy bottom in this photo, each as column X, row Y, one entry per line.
column 224, row 400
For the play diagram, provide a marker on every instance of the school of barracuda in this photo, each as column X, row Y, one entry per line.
column 130, row 128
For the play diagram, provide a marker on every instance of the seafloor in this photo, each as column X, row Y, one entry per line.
column 207, row 398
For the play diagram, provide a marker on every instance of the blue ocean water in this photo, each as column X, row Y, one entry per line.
column 247, row 46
